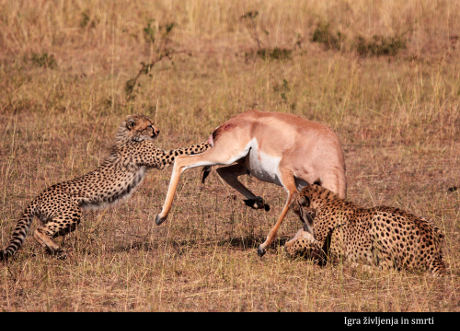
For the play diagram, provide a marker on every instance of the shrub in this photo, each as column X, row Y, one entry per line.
column 43, row 60
column 323, row 35
column 274, row 53
column 379, row 45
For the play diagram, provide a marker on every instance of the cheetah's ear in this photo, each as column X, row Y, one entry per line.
column 130, row 123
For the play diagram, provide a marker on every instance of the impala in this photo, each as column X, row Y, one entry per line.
column 278, row 148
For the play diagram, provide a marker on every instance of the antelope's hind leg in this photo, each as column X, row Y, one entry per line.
column 230, row 175
column 210, row 157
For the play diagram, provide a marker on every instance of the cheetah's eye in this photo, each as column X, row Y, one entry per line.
column 304, row 201
column 130, row 124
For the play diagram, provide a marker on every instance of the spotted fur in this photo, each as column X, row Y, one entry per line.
column 59, row 207
column 305, row 245
column 379, row 236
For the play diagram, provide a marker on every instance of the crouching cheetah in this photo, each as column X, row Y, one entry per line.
column 381, row 236
column 59, row 207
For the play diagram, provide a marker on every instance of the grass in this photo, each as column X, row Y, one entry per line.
column 64, row 69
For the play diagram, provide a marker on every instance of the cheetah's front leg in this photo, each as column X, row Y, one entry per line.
column 304, row 244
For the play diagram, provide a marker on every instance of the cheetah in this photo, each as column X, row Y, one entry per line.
column 381, row 236
column 59, row 207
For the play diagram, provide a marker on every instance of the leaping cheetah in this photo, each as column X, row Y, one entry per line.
column 59, row 207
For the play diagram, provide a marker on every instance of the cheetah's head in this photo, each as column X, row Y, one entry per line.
column 302, row 206
column 308, row 201
column 137, row 128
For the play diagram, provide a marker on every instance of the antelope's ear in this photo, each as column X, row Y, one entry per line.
column 130, row 123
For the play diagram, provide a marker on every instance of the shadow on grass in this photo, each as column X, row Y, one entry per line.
column 246, row 242
column 152, row 246
column 250, row 242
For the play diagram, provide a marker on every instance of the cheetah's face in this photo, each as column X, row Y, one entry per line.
column 141, row 128
column 302, row 207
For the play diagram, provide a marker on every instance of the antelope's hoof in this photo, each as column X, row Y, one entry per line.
column 159, row 220
column 261, row 251
column 257, row 203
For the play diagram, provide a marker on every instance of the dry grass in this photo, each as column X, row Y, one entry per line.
column 63, row 70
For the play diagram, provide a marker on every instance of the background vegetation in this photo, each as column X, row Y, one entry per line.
column 385, row 75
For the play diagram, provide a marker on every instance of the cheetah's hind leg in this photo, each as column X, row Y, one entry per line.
column 60, row 225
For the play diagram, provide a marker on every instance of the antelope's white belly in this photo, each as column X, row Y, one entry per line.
column 263, row 166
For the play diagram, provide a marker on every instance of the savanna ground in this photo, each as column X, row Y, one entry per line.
column 384, row 75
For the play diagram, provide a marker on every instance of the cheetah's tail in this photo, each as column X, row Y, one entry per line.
column 438, row 266
column 19, row 233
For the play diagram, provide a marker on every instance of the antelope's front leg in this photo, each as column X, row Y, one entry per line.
column 287, row 179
